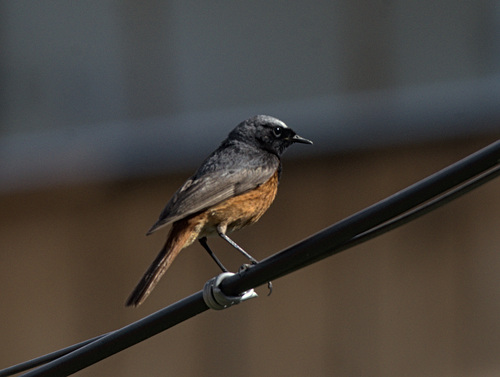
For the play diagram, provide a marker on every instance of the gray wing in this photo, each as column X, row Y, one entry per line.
column 213, row 187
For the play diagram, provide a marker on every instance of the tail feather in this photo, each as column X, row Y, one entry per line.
column 176, row 241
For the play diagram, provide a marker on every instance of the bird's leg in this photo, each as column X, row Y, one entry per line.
column 203, row 242
column 223, row 235
column 236, row 246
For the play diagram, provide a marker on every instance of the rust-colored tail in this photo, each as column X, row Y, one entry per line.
column 179, row 237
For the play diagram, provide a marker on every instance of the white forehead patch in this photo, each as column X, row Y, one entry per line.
column 282, row 124
column 273, row 121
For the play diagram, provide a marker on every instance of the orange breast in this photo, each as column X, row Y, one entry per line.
column 241, row 210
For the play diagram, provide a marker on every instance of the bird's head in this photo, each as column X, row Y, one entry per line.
column 268, row 133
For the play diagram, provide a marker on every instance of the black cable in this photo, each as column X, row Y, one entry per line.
column 364, row 225
column 123, row 338
column 325, row 243
column 44, row 359
column 384, row 228
column 422, row 210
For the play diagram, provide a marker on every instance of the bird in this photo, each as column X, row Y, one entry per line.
column 231, row 189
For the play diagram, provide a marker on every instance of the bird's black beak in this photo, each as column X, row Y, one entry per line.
column 300, row 139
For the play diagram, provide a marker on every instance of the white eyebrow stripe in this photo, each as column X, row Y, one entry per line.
column 282, row 123
column 274, row 121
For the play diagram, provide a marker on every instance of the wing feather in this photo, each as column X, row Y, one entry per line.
column 214, row 183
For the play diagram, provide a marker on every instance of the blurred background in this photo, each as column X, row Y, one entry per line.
column 108, row 106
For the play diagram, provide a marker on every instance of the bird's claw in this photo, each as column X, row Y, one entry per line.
column 246, row 266
column 270, row 287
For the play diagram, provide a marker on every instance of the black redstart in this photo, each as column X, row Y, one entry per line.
column 231, row 189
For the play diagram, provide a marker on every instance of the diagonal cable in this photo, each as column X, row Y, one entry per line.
column 404, row 206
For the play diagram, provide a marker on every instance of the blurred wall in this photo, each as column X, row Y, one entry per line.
column 420, row 301
column 107, row 106
column 106, row 89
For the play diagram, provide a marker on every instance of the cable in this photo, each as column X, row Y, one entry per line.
column 420, row 211
column 44, row 359
column 325, row 243
column 396, row 210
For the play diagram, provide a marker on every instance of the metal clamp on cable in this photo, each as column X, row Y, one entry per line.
column 217, row 300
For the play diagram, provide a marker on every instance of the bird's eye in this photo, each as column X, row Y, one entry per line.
column 278, row 131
